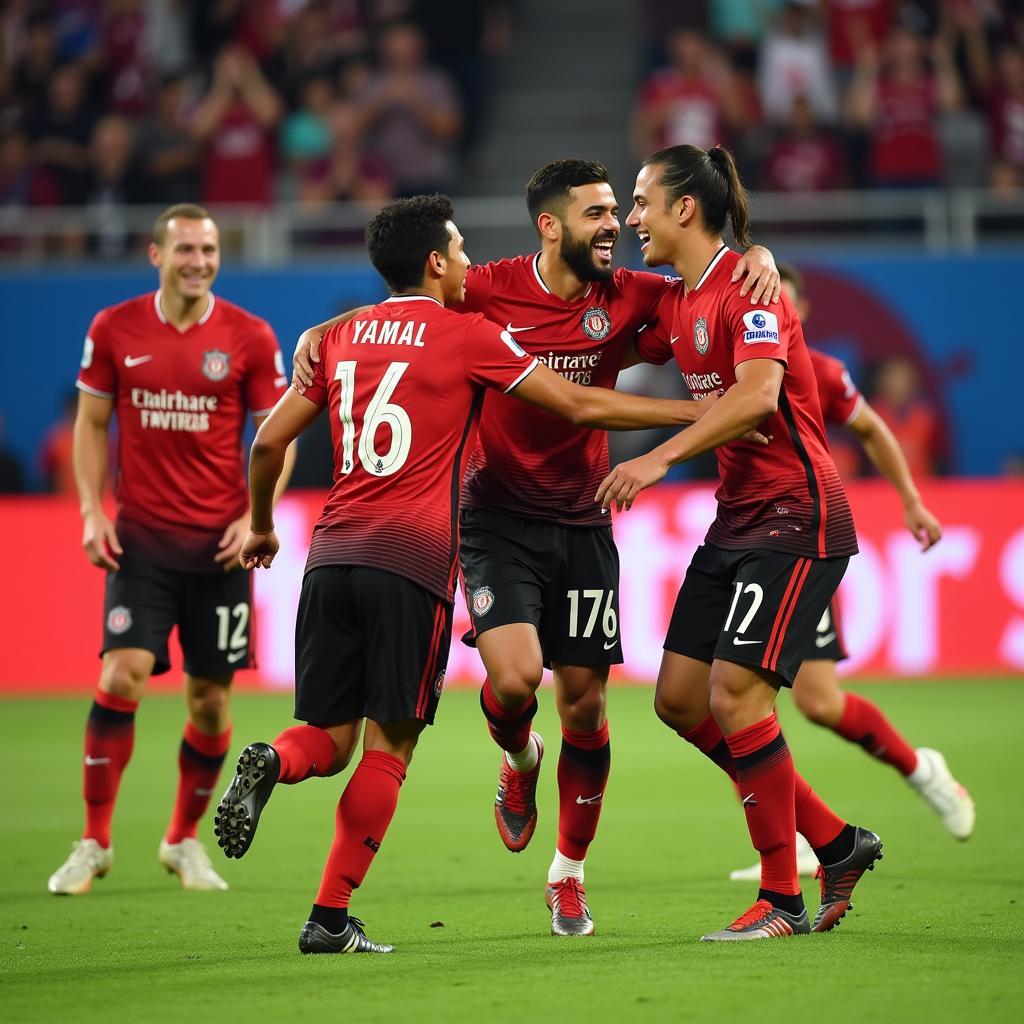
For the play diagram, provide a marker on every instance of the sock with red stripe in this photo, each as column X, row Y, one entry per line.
column 109, row 739
column 364, row 812
column 200, row 758
column 305, row 752
column 708, row 739
column 767, row 780
column 863, row 723
column 583, row 766
column 509, row 727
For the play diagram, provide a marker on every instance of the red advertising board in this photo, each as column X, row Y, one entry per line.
column 958, row 609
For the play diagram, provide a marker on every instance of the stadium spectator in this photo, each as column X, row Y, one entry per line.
column 306, row 139
column 115, row 181
column 694, row 100
column 851, row 25
column 804, row 157
column 235, row 121
column 125, row 63
column 169, row 152
column 900, row 401
column 739, row 26
column 21, row 183
column 898, row 100
column 411, row 115
column 36, row 61
column 794, row 62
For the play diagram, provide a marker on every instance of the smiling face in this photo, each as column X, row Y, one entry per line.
column 453, row 283
column 590, row 229
column 656, row 225
column 188, row 258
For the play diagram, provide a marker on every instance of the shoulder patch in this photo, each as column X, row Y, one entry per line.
column 511, row 342
column 762, row 328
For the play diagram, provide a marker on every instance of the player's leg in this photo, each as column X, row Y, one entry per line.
column 504, row 563
column 138, row 614
column 406, row 634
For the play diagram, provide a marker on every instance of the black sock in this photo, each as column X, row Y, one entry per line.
column 790, row 904
column 839, row 849
column 334, row 919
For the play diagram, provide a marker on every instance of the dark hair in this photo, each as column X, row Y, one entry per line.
column 183, row 211
column 548, row 190
column 789, row 273
column 710, row 176
column 405, row 232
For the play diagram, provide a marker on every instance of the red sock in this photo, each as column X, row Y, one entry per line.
column 509, row 727
column 305, row 751
column 708, row 739
column 364, row 812
column 767, row 780
column 109, row 738
column 200, row 758
column 583, row 766
column 863, row 722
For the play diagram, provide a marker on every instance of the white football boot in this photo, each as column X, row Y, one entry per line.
column 933, row 780
column 806, row 864
column 74, row 877
column 190, row 862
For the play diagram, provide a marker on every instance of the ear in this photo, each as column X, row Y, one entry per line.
column 153, row 251
column 549, row 226
column 437, row 263
column 686, row 210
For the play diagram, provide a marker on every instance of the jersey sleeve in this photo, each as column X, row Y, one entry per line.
column 479, row 288
column 317, row 391
column 492, row 357
column 759, row 332
column 653, row 341
column 840, row 400
column 265, row 378
column 97, row 373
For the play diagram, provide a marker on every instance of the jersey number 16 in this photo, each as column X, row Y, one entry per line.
column 379, row 412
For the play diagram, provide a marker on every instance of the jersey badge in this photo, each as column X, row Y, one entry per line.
column 119, row 620
column 439, row 683
column 701, row 338
column 483, row 601
column 762, row 327
column 216, row 364
column 596, row 323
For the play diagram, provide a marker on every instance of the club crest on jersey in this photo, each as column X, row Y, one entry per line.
column 596, row 323
column 483, row 601
column 439, row 683
column 216, row 364
column 119, row 620
column 701, row 338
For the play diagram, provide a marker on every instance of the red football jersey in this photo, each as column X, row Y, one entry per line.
column 181, row 401
column 527, row 461
column 788, row 495
column 837, row 394
column 404, row 382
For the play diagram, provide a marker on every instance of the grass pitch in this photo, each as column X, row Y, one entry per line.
column 937, row 935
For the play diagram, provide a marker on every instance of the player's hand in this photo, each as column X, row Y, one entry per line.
column 258, row 550
column 762, row 280
column 231, row 543
column 621, row 486
column 99, row 539
column 307, row 353
column 926, row 529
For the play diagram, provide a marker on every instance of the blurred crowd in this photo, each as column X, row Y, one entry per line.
column 826, row 94
column 106, row 102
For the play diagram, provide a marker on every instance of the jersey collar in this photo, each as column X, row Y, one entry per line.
column 202, row 320
column 412, row 298
column 716, row 259
column 547, row 290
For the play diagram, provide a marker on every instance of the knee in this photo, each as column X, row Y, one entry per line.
column 678, row 713
column 816, row 706
column 515, row 685
column 583, row 712
column 726, row 705
column 208, row 705
column 123, row 678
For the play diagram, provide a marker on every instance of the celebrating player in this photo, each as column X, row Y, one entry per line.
column 755, row 590
column 180, row 370
column 539, row 564
column 816, row 690
column 374, row 618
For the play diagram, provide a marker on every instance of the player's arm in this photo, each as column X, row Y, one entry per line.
column 753, row 398
column 307, row 348
column 886, row 455
column 90, row 444
column 267, row 458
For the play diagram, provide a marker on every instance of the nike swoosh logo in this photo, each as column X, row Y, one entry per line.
column 203, row 792
column 136, row 360
column 749, row 801
column 90, row 761
column 672, row 341
column 236, row 656
column 824, row 641
column 609, row 644
column 740, row 643
column 518, row 330
column 590, row 799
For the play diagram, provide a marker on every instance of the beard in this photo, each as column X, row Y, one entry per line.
column 579, row 257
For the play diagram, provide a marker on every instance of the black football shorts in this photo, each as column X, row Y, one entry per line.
column 759, row 608
column 563, row 579
column 828, row 637
column 143, row 602
column 368, row 644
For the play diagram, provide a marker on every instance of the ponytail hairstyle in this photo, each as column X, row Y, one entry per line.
column 710, row 176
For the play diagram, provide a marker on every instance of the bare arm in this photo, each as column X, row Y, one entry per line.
column 91, row 440
column 882, row 448
column 753, row 397
column 599, row 407
column 307, row 348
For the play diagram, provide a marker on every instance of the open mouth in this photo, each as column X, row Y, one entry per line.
column 645, row 239
column 603, row 249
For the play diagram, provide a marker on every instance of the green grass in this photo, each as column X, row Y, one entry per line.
column 936, row 936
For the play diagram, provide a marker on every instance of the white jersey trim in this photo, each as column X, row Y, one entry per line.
column 413, row 298
column 202, row 320
column 526, row 373
column 711, row 266
column 540, row 280
column 857, row 407
column 92, row 391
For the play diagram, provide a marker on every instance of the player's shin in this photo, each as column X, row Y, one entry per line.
column 200, row 759
column 109, row 740
column 583, row 766
column 862, row 722
column 509, row 727
column 305, row 751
